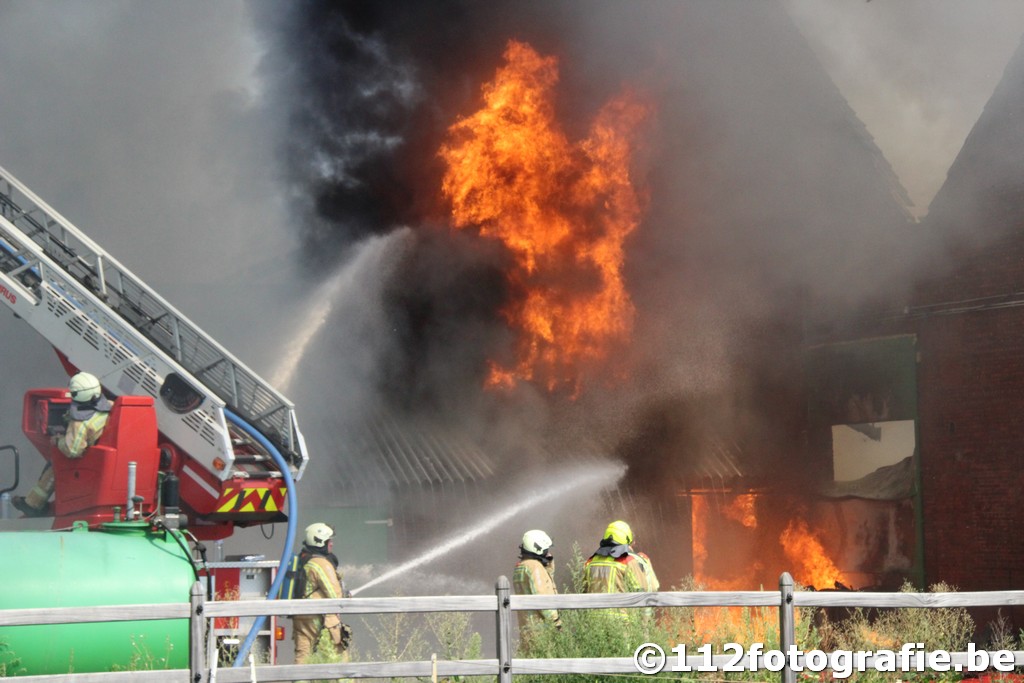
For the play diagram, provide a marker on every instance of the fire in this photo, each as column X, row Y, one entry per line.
column 811, row 564
column 699, row 516
column 709, row 622
column 735, row 550
column 743, row 510
column 563, row 210
column 733, row 524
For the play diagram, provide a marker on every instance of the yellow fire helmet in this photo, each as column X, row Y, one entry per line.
column 619, row 532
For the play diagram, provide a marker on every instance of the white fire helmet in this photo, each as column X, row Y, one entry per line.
column 84, row 388
column 317, row 535
column 537, row 542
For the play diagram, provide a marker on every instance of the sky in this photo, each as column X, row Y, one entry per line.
column 141, row 122
column 917, row 72
column 158, row 128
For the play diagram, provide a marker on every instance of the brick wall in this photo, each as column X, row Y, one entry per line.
column 971, row 400
column 970, row 385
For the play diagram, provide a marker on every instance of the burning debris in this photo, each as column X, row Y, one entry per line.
column 809, row 560
column 750, row 551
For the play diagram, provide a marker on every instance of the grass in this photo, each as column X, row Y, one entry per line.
column 407, row 637
column 10, row 664
column 949, row 629
column 143, row 658
column 324, row 653
column 616, row 633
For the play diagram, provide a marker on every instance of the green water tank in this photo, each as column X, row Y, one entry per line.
column 120, row 564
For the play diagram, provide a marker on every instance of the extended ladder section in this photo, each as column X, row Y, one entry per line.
column 109, row 322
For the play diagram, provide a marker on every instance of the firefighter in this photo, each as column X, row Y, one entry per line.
column 616, row 568
column 318, row 578
column 534, row 574
column 86, row 418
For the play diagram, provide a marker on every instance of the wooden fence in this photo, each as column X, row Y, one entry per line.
column 202, row 659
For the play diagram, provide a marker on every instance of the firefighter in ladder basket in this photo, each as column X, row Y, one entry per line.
column 86, row 419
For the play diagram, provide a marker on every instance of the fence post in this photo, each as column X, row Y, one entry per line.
column 504, row 630
column 787, row 636
column 197, row 629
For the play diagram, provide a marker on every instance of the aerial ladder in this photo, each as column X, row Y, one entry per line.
column 223, row 432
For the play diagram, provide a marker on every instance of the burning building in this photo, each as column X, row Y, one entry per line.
column 941, row 360
column 649, row 233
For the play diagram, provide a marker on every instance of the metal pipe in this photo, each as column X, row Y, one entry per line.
column 130, row 508
column 169, row 492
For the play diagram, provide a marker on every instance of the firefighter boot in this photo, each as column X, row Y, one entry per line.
column 22, row 506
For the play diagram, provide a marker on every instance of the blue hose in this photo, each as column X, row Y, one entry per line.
column 293, row 516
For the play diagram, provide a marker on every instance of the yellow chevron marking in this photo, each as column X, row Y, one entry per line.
column 250, row 500
column 229, row 503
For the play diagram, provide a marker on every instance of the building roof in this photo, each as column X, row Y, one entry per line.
column 988, row 169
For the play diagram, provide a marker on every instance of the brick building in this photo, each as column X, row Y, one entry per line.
column 946, row 352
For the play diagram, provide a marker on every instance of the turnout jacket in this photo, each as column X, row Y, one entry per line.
column 531, row 577
column 617, row 569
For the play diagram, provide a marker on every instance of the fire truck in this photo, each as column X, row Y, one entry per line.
column 195, row 446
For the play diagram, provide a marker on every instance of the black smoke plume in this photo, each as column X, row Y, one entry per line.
column 766, row 199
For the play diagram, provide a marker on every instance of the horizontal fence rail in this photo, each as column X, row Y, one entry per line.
column 203, row 666
column 164, row 676
column 81, row 615
column 343, row 606
column 924, row 600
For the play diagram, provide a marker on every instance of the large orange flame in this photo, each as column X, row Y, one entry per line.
column 798, row 549
column 802, row 552
column 562, row 209
column 811, row 564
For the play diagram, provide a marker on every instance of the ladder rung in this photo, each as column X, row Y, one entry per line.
column 256, row 475
column 251, row 459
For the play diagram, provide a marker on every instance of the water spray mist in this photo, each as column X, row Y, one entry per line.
column 597, row 476
column 376, row 255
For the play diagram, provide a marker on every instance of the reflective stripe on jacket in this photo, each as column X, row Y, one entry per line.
column 322, row 581
column 81, row 434
column 531, row 577
column 606, row 574
column 619, row 571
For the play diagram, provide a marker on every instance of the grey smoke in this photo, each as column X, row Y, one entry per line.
column 144, row 124
column 234, row 154
column 349, row 294
column 764, row 188
column 918, row 72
